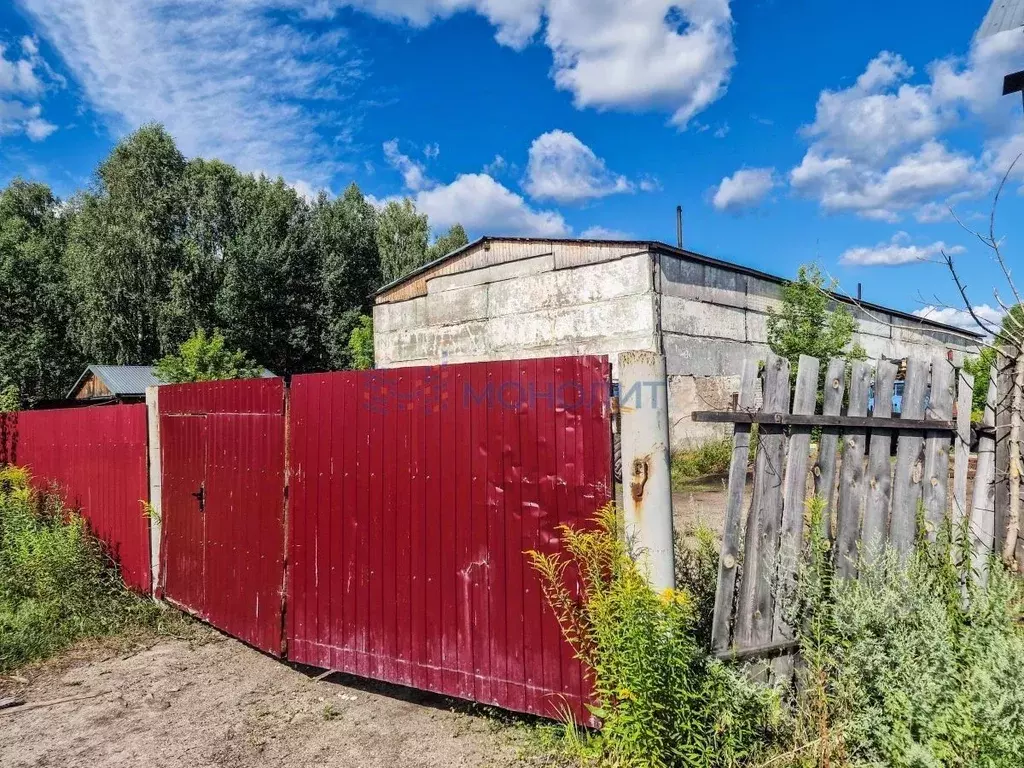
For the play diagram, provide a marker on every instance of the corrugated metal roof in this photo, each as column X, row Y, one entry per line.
column 1003, row 15
column 124, row 380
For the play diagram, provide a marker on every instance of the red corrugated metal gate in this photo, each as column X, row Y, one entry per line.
column 222, row 544
column 413, row 497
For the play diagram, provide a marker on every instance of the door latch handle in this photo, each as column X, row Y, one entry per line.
column 200, row 496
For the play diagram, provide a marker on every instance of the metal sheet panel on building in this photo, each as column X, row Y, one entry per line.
column 414, row 495
column 96, row 458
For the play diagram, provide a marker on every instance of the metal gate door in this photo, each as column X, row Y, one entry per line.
column 415, row 493
column 183, row 539
column 223, row 505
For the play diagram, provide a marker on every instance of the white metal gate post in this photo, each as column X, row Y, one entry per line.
column 646, row 474
column 155, row 484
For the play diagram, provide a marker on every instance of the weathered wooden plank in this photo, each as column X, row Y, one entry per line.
column 1004, row 400
column 729, row 558
column 851, row 476
column 791, row 533
column 982, row 512
column 935, row 493
column 858, row 422
column 875, row 528
column 755, row 611
column 759, row 652
column 962, row 450
column 825, row 466
column 906, row 483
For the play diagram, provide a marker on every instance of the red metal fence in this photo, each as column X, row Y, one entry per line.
column 222, row 543
column 413, row 497
column 414, row 494
column 97, row 458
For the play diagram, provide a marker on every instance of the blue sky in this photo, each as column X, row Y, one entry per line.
column 789, row 132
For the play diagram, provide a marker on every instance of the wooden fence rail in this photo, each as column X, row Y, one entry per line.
column 871, row 499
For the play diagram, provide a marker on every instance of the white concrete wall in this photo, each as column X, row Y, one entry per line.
column 546, row 298
column 713, row 318
column 526, row 308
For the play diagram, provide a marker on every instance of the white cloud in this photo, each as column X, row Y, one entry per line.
column 674, row 55
column 564, row 169
column 517, row 21
column 874, row 118
column 38, row 129
column 18, row 74
column 930, row 213
column 475, row 200
column 899, row 250
column 961, row 318
column 746, row 188
column 23, row 80
column 228, row 78
column 414, row 175
column 914, row 181
column 879, row 148
column 306, row 190
column 649, row 183
column 431, row 151
column 484, row 206
column 603, row 233
column 496, row 167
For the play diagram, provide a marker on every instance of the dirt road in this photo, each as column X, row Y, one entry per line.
column 215, row 702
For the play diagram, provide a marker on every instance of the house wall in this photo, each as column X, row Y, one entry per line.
column 92, row 387
column 714, row 318
column 559, row 301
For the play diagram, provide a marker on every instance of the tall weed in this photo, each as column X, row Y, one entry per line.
column 56, row 583
column 912, row 664
column 697, row 573
column 662, row 700
column 706, row 459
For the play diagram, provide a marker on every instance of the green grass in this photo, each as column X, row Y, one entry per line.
column 708, row 460
column 57, row 584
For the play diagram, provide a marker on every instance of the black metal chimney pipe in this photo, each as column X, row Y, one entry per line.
column 679, row 226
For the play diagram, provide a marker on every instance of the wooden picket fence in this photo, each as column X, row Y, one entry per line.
column 869, row 499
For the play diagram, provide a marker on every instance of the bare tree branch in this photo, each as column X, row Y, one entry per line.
column 962, row 288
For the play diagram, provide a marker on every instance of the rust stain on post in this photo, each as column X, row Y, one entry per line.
column 641, row 474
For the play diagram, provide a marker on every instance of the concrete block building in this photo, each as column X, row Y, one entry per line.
column 504, row 298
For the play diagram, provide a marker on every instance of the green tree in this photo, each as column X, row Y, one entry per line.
column 205, row 358
column 345, row 238
column 980, row 367
column 125, row 246
column 451, row 240
column 360, row 345
column 270, row 296
column 810, row 322
column 37, row 359
column 402, row 237
column 208, row 191
column 10, row 400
